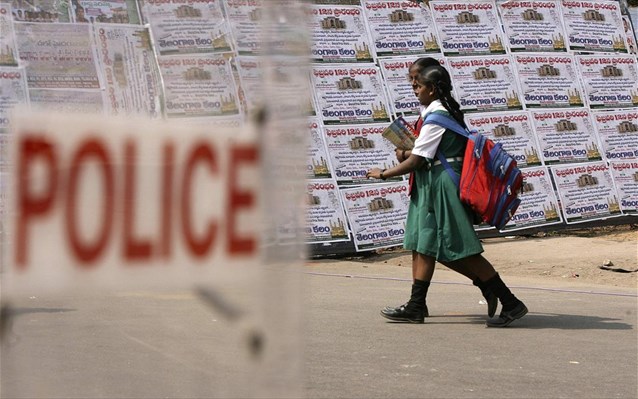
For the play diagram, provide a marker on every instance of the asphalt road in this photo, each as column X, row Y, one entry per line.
column 577, row 342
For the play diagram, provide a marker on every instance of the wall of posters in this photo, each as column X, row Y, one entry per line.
column 566, row 136
column 586, row 191
column 339, row 34
column 549, row 80
column 484, row 84
column 594, row 26
column 468, row 28
column 618, row 133
column 610, row 81
column 377, row 214
column 625, row 174
column 105, row 11
column 533, row 26
column 539, row 206
column 401, row 28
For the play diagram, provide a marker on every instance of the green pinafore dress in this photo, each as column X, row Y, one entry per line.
column 439, row 224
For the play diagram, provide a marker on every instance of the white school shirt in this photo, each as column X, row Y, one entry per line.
column 430, row 135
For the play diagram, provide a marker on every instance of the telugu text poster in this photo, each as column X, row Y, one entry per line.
column 129, row 68
column 539, row 206
column 630, row 34
column 41, row 10
column 57, row 56
column 8, row 51
column 618, row 133
column 586, row 191
column 514, row 130
column 353, row 150
column 105, row 11
column 13, row 92
column 65, row 100
column 244, row 17
column 198, row 86
column 395, row 72
column 348, row 94
column 594, row 26
column 549, row 80
column 610, row 81
column 566, row 136
column 400, row 28
column 293, row 95
column 468, row 28
column 339, row 34
column 626, row 178
column 318, row 163
column 533, row 26
column 485, row 83
column 377, row 214
column 325, row 217
column 196, row 27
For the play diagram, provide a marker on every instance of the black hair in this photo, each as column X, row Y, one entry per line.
column 440, row 79
column 424, row 62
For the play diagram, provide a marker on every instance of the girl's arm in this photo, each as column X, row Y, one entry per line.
column 413, row 163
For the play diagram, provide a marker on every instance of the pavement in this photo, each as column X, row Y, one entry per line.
column 577, row 341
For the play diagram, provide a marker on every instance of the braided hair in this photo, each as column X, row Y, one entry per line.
column 439, row 78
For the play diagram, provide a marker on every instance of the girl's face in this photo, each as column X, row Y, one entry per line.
column 424, row 92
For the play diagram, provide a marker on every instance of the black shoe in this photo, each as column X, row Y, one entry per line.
column 403, row 313
column 508, row 316
column 492, row 303
column 425, row 312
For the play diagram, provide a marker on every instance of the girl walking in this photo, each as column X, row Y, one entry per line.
column 439, row 225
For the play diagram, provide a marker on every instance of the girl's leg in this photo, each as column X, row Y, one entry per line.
column 490, row 298
column 415, row 310
column 512, row 307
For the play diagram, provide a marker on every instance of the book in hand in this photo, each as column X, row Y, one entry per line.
column 400, row 133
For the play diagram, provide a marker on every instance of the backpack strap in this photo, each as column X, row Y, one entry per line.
column 449, row 123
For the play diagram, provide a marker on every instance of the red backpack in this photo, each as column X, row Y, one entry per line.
column 490, row 180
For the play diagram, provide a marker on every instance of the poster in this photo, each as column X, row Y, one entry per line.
column 377, row 214
column 594, row 26
column 625, row 175
column 549, row 80
column 339, row 34
column 484, row 84
column 318, row 163
column 566, row 136
column 610, row 81
column 348, row 94
column 325, row 218
column 198, row 86
column 395, row 72
column 105, row 11
column 356, row 148
column 244, row 18
column 618, row 133
column 41, row 10
column 514, row 130
column 630, row 34
column 129, row 68
column 65, row 100
column 180, row 27
column 400, row 28
column 533, row 26
column 468, row 27
column 57, row 56
column 13, row 91
column 8, row 51
column 586, row 191
column 539, row 206
column 293, row 95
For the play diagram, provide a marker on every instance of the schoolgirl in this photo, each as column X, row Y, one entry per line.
column 439, row 226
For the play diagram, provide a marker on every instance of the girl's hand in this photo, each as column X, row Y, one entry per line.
column 374, row 173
